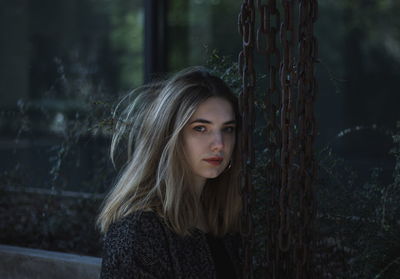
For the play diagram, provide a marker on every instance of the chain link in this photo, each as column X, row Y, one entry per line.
column 270, row 21
column 307, row 131
column 246, row 23
column 290, row 131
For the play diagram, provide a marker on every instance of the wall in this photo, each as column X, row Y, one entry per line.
column 24, row 263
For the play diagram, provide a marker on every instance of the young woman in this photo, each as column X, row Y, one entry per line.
column 174, row 211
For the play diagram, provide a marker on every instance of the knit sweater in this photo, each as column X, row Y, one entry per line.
column 140, row 245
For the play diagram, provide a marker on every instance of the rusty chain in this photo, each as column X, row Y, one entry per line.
column 268, row 31
column 307, row 131
column 290, row 131
column 246, row 23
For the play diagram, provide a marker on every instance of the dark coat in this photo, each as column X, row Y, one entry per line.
column 142, row 246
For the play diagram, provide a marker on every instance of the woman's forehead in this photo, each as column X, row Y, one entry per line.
column 214, row 109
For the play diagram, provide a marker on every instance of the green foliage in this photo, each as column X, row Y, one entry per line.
column 50, row 222
column 227, row 70
column 358, row 220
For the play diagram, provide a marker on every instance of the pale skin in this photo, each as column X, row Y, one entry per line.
column 209, row 140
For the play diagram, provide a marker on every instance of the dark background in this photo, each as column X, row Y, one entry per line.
column 63, row 64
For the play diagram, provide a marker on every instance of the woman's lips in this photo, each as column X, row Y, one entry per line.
column 215, row 161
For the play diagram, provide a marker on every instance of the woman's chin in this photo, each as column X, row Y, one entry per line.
column 212, row 174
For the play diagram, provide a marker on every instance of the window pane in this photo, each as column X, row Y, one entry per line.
column 62, row 62
column 197, row 27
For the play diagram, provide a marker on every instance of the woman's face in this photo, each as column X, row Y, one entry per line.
column 209, row 138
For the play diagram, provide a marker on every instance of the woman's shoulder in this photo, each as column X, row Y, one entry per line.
column 136, row 244
column 136, row 222
column 139, row 235
column 136, row 226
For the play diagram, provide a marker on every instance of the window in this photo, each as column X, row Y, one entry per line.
column 63, row 62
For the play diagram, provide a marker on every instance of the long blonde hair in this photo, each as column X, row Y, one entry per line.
column 156, row 175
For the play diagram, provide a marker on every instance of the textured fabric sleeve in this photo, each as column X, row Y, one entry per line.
column 136, row 247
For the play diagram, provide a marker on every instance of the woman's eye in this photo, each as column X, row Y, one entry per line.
column 200, row 128
column 229, row 129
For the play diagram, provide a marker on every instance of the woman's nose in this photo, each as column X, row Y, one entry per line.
column 217, row 142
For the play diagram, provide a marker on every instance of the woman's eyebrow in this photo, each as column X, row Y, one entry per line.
column 200, row 120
